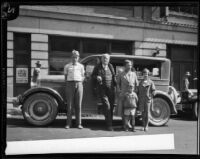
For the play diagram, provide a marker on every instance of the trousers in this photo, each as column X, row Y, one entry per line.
column 74, row 94
column 145, row 113
column 107, row 96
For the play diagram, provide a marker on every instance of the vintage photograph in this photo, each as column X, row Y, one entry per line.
column 102, row 79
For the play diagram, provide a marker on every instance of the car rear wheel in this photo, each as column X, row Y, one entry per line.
column 195, row 110
column 40, row 109
column 159, row 112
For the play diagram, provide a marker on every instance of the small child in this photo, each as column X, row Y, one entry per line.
column 129, row 104
column 146, row 91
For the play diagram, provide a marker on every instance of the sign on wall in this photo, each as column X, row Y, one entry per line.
column 21, row 75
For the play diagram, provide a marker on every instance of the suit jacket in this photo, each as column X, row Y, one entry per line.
column 99, row 71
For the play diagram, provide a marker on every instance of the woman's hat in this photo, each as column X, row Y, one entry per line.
column 38, row 63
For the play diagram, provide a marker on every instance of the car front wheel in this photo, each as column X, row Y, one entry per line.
column 40, row 109
column 159, row 112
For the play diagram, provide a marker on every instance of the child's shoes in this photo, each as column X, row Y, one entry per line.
column 133, row 129
column 146, row 129
column 125, row 128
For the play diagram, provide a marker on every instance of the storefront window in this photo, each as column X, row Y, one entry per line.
column 60, row 49
column 182, row 53
column 95, row 46
column 121, row 47
column 60, row 52
column 21, row 42
column 65, row 44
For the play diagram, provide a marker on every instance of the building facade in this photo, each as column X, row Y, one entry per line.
column 50, row 33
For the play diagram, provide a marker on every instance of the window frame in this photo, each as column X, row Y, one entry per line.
column 80, row 40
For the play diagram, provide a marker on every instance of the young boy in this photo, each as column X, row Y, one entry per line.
column 146, row 91
column 130, row 104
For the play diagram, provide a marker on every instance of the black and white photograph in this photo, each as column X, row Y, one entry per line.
column 109, row 79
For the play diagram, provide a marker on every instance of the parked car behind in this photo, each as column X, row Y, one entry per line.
column 41, row 105
column 189, row 103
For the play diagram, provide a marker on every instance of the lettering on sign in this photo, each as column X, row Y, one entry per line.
column 21, row 75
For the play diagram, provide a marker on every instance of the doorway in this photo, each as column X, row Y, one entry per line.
column 22, row 62
column 183, row 59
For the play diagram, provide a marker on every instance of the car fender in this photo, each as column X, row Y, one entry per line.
column 47, row 90
column 165, row 96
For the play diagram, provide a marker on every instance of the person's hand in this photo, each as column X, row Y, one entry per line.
column 99, row 79
column 153, row 94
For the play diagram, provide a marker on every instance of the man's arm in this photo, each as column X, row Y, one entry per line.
column 113, row 74
column 65, row 72
column 94, row 72
column 136, row 83
column 83, row 72
column 119, row 83
column 153, row 88
column 136, row 97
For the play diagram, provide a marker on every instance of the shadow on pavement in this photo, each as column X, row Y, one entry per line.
column 183, row 117
column 93, row 124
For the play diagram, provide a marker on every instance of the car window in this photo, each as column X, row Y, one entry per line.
column 117, row 64
column 89, row 66
column 153, row 66
column 138, row 66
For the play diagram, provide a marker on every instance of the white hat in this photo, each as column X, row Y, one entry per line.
column 75, row 53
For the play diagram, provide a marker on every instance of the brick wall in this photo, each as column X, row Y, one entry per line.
column 10, row 71
column 148, row 48
column 39, row 51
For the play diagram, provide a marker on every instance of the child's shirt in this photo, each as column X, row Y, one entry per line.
column 130, row 100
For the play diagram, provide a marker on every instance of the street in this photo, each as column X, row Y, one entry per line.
column 184, row 130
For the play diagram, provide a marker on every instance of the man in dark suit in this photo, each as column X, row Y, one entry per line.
column 105, row 79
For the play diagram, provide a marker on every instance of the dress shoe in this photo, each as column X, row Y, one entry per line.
column 110, row 129
column 67, row 127
column 80, row 127
column 126, row 129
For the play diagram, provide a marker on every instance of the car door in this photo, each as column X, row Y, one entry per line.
column 90, row 100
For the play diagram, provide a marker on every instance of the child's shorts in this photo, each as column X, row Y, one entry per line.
column 129, row 111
